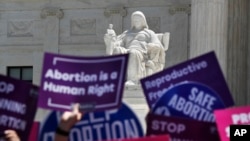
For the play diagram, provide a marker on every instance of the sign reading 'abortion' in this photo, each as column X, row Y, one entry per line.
column 107, row 125
column 94, row 82
column 18, row 104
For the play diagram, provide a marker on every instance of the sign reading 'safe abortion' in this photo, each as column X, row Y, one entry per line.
column 94, row 82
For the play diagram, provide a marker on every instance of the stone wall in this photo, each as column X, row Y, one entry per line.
column 28, row 28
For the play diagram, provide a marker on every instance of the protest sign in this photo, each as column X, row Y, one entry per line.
column 18, row 105
column 94, row 82
column 230, row 116
column 239, row 132
column 181, row 129
column 148, row 138
column 189, row 100
column 204, row 69
column 111, row 124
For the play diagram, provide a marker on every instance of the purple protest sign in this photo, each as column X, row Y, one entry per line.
column 18, row 104
column 189, row 100
column 105, row 125
column 94, row 82
column 204, row 69
column 181, row 128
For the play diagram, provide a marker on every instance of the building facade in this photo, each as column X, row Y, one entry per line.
column 28, row 28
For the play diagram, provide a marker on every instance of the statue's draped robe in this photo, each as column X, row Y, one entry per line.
column 136, row 44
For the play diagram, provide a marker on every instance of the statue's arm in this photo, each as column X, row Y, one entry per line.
column 110, row 39
column 157, row 58
column 154, row 39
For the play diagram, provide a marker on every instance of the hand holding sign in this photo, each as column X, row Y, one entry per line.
column 11, row 135
column 68, row 120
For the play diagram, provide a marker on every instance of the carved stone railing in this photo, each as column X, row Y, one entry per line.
column 180, row 9
column 52, row 11
column 115, row 10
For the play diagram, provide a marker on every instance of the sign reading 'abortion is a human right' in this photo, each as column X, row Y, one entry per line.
column 94, row 82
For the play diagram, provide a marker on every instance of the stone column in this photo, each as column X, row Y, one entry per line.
column 237, row 50
column 209, row 29
column 51, row 17
column 248, row 57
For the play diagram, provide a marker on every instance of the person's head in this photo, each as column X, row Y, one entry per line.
column 138, row 20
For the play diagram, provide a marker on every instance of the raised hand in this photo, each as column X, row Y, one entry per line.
column 11, row 135
column 67, row 121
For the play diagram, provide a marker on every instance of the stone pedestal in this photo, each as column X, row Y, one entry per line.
column 133, row 96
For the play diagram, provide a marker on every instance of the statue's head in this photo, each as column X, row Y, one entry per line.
column 138, row 20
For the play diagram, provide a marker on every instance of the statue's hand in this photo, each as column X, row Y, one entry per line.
column 110, row 35
column 151, row 45
column 110, row 42
column 150, row 64
column 107, row 37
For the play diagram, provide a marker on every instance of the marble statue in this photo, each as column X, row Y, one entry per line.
column 145, row 48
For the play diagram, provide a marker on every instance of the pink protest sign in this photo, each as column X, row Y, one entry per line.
column 235, row 115
column 34, row 132
column 149, row 138
column 181, row 128
column 94, row 82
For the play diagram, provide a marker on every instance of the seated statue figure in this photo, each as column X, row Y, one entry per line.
column 146, row 51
